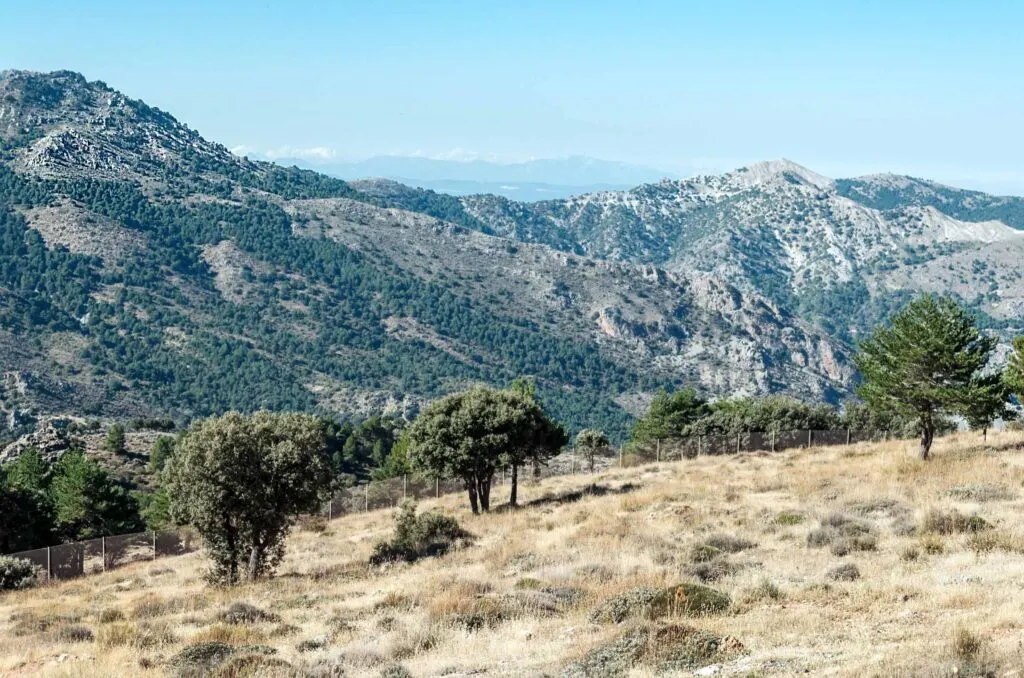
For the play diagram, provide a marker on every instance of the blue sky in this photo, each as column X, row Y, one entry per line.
column 934, row 89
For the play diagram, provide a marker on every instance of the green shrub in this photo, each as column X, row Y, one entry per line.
column 419, row 536
column 16, row 574
column 789, row 518
column 395, row 671
column 728, row 543
column 850, row 534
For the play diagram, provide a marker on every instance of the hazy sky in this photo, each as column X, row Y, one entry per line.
column 935, row 88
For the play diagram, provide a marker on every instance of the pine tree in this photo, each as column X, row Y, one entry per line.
column 927, row 363
column 1014, row 375
column 115, row 442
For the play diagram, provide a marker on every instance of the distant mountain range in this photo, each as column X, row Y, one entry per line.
column 146, row 270
column 542, row 179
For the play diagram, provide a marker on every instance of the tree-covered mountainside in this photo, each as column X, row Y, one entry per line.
column 145, row 271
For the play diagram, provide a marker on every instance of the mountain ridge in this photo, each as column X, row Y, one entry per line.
column 153, row 272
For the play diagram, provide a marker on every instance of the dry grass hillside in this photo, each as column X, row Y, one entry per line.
column 857, row 561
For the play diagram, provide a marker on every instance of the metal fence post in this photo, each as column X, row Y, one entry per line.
column 657, row 450
column 620, row 456
column 366, row 497
column 49, row 568
column 103, row 552
column 405, row 487
column 437, row 487
column 810, row 437
column 700, row 440
column 739, row 436
column 154, row 545
column 773, row 440
column 848, row 436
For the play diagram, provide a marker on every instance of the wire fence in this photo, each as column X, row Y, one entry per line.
column 67, row 561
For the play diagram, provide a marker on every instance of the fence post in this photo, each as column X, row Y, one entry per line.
column 437, row 488
column 103, row 552
column 657, row 451
column 620, row 455
column 848, row 436
column 49, row 568
column 773, row 440
column 405, row 487
column 738, row 437
column 700, row 440
column 810, row 437
column 154, row 544
column 366, row 497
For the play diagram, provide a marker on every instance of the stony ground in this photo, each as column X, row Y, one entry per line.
column 858, row 561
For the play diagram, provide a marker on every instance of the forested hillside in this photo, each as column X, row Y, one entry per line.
column 148, row 272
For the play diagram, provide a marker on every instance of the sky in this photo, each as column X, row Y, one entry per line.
column 933, row 89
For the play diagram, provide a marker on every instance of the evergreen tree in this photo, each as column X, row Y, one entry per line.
column 87, row 503
column 470, row 435
column 162, row 450
column 589, row 442
column 926, row 363
column 670, row 416
column 115, row 442
column 1014, row 374
column 242, row 481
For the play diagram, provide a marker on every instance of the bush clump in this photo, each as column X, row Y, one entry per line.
column 953, row 522
column 651, row 603
column 74, row 634
column 419, row 536
column 851, row 534
column 844, row 572
column 728, row 544
column 16, row 574
column 664, row 648
column 254, row 665
column 244, row 613
column 201, row 659
column 395, row 671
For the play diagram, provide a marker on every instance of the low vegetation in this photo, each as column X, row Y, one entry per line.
column 596, row 583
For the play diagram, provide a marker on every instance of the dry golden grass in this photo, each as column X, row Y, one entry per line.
column 516, row 603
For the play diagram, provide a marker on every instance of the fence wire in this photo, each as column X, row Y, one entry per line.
column 66, row 561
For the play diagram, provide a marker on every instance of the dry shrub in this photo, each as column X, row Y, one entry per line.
column 844, row 572
column 669, row 648
column 952, row 522
column 152, row 606
column 74, row 634
column 244, row 613
column 229, row 634
column 135, row 636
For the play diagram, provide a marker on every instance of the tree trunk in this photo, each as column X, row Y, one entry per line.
column 471, row 486
column 927, row 436
column 485, row 493
column 513, row 495
column 254, row 561
column 984, row 434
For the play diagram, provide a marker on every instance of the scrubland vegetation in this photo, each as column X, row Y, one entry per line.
column 847, row 561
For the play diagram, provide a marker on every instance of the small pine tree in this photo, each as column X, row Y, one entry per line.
column 162, row 450
column 115, row 442
column 589, row 442
column 926, row 363
column 1014, row 375
column 87, row 503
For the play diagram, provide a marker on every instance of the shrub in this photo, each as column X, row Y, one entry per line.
column 244, row 613
column 729, row 543
column 651, row 603
column 74, row 634
column 133, row 636
column 788, row 518
column 844, row 572
column 766, row 589
column 704, row 553
column 199, row 659
column 395, row 671
column 838, row 528
column 712, row 570
column 254, row 666
column 16, row 574
column 666, row 649
column 846, row 546
column 419, row 536
column 952, row 522
column 111, row 615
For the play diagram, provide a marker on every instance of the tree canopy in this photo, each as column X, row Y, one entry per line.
column 242, row 481
column 470, row 435
column 925, row 363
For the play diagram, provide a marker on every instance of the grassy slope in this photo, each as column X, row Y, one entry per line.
column 898, row 619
